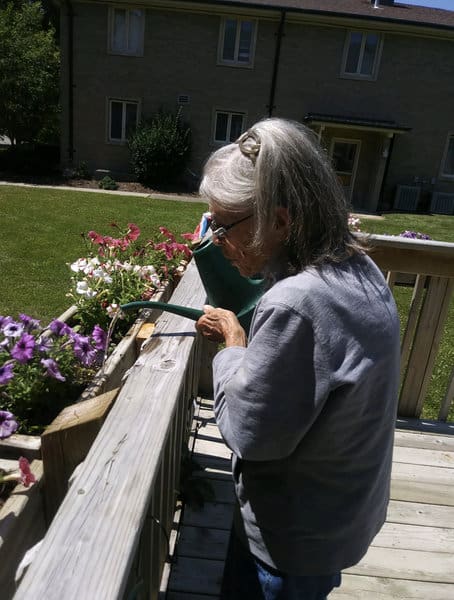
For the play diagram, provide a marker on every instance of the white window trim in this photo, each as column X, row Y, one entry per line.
column 123, row 141
column 443, row 175
column 377, row 60
column 336, row 140
column 230, row 112
column 236, row 63
column 110, row 31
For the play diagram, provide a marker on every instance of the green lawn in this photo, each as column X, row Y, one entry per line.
column 40, row 232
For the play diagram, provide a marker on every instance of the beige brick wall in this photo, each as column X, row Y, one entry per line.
column 415, row 87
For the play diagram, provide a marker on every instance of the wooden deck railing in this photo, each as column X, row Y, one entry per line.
column 428, row 267
column 108, row 539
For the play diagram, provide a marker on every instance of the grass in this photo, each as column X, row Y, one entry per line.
column 40, row 232
column 439, row 227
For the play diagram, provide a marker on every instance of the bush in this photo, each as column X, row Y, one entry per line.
column 82, row 171
column 160, row 149
column 107, row 183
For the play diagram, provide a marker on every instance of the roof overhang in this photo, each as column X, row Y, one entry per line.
column 347, row 122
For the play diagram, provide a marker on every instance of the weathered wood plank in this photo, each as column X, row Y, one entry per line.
column 414, row 513
column 21, row 526
column 415, row 491
column 197, row 575
column 66, row 442
column 422, row 473
column 203, row 542
column 215, row 515
column 18, row 445
column 416, row 537
column 431, row 441
column 215, row 449
column 424, row 457
column 406, row 564
column 359, row 587
column 88, row 550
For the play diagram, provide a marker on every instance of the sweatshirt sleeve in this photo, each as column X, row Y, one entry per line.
column 268, row 395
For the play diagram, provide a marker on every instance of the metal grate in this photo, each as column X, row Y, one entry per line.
column 184, row 99
column 442, row 203
column 407, row 197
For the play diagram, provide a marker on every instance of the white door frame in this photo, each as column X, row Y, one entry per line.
column 351, row 141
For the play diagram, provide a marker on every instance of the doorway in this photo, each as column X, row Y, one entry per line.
column 344, row 155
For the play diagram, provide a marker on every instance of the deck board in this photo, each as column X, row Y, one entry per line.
column 412, row 558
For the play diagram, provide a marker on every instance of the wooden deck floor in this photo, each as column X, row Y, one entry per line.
column 411, row 558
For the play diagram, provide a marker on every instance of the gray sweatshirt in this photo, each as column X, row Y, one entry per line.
column 308, row 410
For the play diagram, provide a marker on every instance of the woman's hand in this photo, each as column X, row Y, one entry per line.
column 220, row 325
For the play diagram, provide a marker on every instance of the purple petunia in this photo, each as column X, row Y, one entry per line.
column 60, row 328
column 29, row 323
column 99, row 337
column 8, row 424
column 84, row 350
column 23, row 349
column 44, row 344
column 6, row 373
column 13, row 329
column 415, row 235
column 4, row 321
column 52, row 369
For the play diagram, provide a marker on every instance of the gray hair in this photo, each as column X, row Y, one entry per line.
column 278, row 162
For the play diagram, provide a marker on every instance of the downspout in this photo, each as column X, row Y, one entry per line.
column 70, row 51
column 277, row 53
column 385, row 172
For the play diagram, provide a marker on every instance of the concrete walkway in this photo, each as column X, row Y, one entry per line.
column 155, row 195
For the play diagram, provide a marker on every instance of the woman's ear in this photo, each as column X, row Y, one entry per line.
column 282, row 222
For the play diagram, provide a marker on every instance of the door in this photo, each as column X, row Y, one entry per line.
column 344, row 155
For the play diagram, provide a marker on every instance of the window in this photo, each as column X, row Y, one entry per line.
column 228, row 126
column 123, row 117
column 361, row 55
column 126, row 28
column 237, row 41
column 447, row 164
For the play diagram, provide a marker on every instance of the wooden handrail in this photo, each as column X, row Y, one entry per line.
column 108, row 535
column 123, row 496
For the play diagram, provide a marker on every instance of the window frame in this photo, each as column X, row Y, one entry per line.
column 377, row 59
column 235, row 62
column 111, row 30
column 123, row 141
column 229, row 112
column 442, row 174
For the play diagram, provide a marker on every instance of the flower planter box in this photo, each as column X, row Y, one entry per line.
column 63, row 445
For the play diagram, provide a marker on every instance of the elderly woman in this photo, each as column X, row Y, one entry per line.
column 307, row 401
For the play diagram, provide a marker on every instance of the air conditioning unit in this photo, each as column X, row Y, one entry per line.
column 407, row 197
column 442, row 203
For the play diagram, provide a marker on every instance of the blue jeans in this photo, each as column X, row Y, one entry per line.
column 247, row 578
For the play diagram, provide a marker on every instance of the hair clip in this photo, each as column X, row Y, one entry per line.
column 249, row 144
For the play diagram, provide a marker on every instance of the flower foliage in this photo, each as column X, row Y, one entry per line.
column 43, row 369
column 118, row 270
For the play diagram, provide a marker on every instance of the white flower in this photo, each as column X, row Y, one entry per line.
column 155, row 280
column 84, row 289
column 113, row 309
column 79, row 265
column 150, row 269
column 127, row 266
column 107, row 278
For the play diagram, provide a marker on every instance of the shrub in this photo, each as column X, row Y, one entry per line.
column 160, row 149
column 107, row 183
column 82, row 171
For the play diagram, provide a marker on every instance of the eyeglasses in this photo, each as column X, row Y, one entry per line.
column 220, row 231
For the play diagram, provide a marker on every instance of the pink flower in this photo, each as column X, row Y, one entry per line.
column 26, row 476
column 168, row 234
column 133, row 232
column 96, row 238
